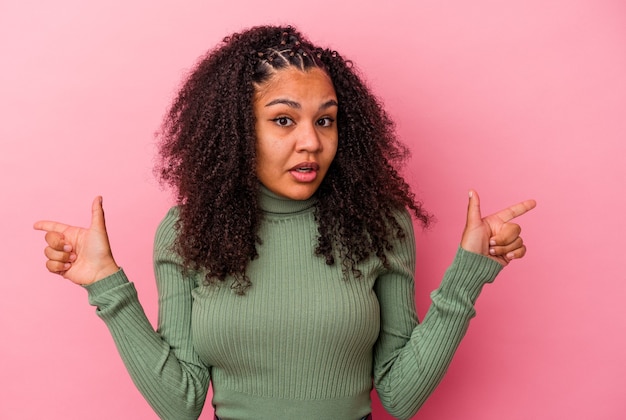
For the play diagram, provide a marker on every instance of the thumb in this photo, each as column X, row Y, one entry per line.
column 473, row 209
column 97, row 215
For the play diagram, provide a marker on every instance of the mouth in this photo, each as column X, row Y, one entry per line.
column 305, row 167
column 305, row 171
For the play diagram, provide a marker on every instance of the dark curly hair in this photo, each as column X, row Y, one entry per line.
column 208, row 155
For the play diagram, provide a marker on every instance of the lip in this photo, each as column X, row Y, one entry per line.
column 314, row 166
column 305, row 172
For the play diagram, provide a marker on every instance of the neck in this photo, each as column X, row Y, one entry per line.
column 272, row 203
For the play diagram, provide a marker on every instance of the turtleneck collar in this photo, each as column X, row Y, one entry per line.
column 272, row 203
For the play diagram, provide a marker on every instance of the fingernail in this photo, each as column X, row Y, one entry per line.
column 492, row 242
column 510, row 255
column 72, row 257
column 67, row 248
column 492, row 251
column 66, row 266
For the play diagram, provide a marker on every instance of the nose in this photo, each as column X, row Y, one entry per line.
column 308, row 139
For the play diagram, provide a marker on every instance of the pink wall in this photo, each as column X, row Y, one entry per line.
column 516, row 99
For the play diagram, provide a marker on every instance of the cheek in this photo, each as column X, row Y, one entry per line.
column 331, row 148
column 266, row 161
column 261, row 163
column 261, row 153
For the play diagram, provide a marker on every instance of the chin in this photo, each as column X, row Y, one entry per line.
column 301, row 196
column 298, row 194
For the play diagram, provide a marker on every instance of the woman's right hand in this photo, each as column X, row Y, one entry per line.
column 80, row 255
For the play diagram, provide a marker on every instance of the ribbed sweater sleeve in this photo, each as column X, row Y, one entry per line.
column 410, row 358
column 162, row 363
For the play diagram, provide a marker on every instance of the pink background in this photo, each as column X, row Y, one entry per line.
column 518, row 99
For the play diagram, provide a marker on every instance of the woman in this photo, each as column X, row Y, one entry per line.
column 285, row 273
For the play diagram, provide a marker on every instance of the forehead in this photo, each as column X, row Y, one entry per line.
column 291, row 82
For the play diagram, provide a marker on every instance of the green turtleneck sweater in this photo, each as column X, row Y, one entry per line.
column 302, row 343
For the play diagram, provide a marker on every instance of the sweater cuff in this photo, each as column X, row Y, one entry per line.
column 469, row 272
column 110, row 290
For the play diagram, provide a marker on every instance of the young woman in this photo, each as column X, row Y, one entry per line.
column 285, row 272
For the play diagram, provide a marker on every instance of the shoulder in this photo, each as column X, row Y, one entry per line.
column 402, row 239
column 401, row 229
column 166, row 232
column 168, row 223
column 403, row 218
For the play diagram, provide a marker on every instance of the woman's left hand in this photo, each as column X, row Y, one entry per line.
column 495, row 236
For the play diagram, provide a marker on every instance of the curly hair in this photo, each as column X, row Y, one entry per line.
column 208, row 155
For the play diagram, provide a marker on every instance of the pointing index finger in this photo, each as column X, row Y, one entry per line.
column 50, row 226
column 516, row 210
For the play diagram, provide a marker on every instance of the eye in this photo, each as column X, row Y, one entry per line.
column 325, row 122
column 283, row 121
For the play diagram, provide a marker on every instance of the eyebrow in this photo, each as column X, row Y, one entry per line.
column 296, row 105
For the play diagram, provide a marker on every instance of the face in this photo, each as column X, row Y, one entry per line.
column 296, row 131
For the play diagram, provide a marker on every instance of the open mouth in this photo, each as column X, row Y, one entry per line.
column 305, row 171
column 306, row 167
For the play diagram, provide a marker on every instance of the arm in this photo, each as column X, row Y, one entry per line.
column 411, row 358
column 162, row 363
